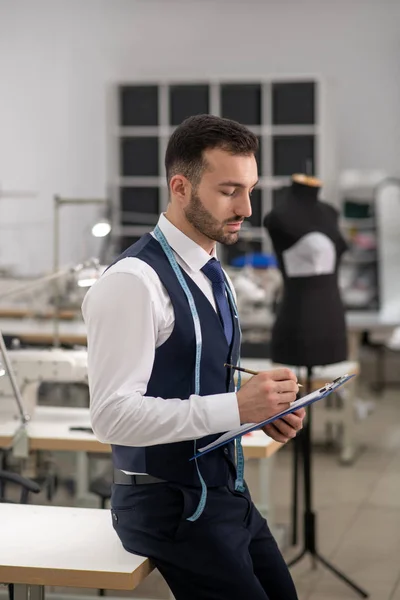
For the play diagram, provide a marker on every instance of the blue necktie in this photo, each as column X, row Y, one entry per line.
column 213, row 271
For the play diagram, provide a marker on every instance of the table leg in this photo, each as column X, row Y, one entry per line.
column 28, row 592
column 347, row 452
column 264, row 504
column 348, row 443
column 83, row 497
column 353, row 345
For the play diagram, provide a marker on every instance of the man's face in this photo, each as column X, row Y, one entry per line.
column 221, row 201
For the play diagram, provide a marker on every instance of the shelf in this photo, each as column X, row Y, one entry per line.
column 140, row 199
column 351, row 260
column 360, row 264
column 293, row 103
column 138, row 105
column 242, row 102
column 187, row 100
column 253, row 234
column 293, row 154
column 367, row 223
column 257, row 208
column 264, row 181
column 285, row 115
column 139, row 156
column 164, row 131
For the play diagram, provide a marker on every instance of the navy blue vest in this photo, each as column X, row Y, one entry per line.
column 173, row 376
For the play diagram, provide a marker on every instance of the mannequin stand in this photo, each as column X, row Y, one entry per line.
column 296, row 455
column 310, row 546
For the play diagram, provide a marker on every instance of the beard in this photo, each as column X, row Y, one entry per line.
column 202, row 220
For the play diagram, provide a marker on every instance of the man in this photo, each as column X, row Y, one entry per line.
column 161, row 325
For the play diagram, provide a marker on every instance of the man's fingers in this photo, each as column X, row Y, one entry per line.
column 285, row 398
column 286, row 386
column 293, row 421
column 300, row 412
column 275, row 434
column 281, row 374
column 284, row 428
column 282, row 405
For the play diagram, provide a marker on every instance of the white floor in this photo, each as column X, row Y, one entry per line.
column 358, row 510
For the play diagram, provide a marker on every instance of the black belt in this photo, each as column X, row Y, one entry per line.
column 122, row 478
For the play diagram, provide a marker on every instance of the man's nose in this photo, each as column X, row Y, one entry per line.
column 244, row 206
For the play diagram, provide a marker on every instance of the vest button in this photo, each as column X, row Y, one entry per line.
column 226, row 451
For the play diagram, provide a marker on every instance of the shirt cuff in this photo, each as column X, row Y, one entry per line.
column 222, row 412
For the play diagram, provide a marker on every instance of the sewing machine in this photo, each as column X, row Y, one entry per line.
column 256, row 291
column 31, row 368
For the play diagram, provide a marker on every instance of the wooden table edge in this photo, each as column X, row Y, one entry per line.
column 94, row 446
column 25, row 313
column 46, row 338
column 261, row 451
column 76, row 578
column 60, row 444
column 69, row 445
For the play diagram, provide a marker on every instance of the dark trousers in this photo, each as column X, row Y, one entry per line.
column 227, row 554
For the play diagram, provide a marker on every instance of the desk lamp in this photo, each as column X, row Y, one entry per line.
column 100, row 229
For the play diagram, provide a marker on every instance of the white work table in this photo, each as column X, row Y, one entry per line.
column 49, row 429
column 50, row 426
column 41, row 331
column 320, row 374
column 371, row 320
column 376, row 323
column 62, row 546
column 73, row 331
column 344, row 414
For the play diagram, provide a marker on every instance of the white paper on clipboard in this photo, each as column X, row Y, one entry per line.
column 327, row 389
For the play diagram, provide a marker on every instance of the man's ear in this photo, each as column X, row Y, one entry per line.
column 180, row 188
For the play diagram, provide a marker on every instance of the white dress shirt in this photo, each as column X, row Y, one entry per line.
column 128, row 314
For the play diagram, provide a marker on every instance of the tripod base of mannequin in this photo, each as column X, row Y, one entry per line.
column 309, row 548
column 303, row 450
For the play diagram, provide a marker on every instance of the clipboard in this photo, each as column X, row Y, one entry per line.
column 319, row 394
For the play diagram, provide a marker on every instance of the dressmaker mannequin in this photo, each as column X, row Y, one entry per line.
column 310, row 326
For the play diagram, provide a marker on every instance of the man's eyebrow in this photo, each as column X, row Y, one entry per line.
column 237, row 184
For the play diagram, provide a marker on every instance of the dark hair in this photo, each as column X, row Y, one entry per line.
column 196, row 134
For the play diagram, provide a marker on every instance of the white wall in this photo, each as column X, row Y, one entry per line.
column 57, row 58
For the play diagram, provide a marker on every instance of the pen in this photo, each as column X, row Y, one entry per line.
column 247, row 371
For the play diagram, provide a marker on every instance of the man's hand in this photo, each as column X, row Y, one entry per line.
column 283, row 430
column 266, row 394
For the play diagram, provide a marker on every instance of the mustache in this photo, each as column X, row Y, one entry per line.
column 235, row 220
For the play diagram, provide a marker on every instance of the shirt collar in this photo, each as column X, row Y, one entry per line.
column 191, row 253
